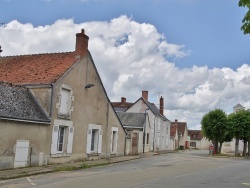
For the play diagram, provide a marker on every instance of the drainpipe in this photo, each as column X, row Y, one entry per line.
column 107, row 123
column 144, row 131
column 154, row 136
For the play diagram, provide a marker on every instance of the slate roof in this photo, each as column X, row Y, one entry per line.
column 155, row 109
column 18, row 103
column 35, row 69
column 131, row 119
column 195, row 134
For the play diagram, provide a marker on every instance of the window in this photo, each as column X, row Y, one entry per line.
column 60, row 141
column 94, row 139
column 65, row 93
column 62, row 138
column 65, row 99
column 114, row 139
column 193, row 144
column 147, row 138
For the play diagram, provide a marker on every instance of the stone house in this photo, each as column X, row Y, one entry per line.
column 54, row 109
column 173, row 137
column 157, row 129
column 197, row 140
column 138, row 129
column 181, row 127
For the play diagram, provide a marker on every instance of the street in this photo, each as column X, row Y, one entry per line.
column 182, row 169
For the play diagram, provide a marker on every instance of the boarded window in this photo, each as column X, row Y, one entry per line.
column 64, row 103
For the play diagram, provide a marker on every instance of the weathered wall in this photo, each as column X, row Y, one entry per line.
column 11, row 131
column 90, row 106
column 42, row 95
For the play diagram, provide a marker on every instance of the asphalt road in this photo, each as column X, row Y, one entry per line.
column 185, row 169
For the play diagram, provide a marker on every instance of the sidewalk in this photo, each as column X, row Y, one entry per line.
column 28, row 171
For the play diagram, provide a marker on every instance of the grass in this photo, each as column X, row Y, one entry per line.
column 83, row 166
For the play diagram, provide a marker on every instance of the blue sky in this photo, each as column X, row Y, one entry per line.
column 202, row 57
column 209, row 29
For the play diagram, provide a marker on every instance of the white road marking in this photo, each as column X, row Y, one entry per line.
column 31, row 181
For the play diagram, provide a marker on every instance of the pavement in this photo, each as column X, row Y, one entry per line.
column 29, row 171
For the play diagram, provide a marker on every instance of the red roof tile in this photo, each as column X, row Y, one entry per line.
column 35, row 69
column 195, row 134
column 181, row 126
column 173, row 128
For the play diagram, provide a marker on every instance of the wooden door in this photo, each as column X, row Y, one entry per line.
column 135, row 144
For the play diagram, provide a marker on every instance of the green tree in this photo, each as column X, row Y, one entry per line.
column 246, row 20
column 215, row 127
column 240, row 125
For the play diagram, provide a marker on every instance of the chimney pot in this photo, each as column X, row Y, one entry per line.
column 176, row 120
column 145, row 95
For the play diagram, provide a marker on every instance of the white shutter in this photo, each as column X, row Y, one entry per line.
column 88, row 148
column 100, row 141
column 70, row 139
column 54, row 139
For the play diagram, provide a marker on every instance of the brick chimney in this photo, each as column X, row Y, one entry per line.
column 161, row 105
column 123, row 100
column 81, row 43
column 145, row 95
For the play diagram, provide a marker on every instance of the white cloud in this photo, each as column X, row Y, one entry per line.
column 132, row 57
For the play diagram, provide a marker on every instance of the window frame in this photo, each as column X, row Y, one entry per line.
column 67, row 147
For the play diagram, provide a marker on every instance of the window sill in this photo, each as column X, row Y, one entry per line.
column 93, row 154
column 63, row 116
column 60, row 155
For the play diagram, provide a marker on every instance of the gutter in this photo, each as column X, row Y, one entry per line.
column 26, row 120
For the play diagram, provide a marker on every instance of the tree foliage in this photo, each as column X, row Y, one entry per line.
column 240, row 124
column 215, row 127
column 246, row 20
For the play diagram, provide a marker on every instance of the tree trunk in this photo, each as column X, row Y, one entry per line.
column 220, row 147
column 248, row 152
column 216, row 147
column 244, row 148
column 236, row 146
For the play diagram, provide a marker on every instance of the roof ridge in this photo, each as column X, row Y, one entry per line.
column 24, row 55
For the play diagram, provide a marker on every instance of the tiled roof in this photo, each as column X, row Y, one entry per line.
column 195, row 134
column 119, row 106
column 132, row 119
column 173, row 130
column 181, row 126
column 35, row 69
column 18, row 103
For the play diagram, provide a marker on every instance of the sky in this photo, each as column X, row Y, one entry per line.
column 190, row 52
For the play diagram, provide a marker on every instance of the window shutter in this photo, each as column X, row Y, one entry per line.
column 70, row 139
column 100, row 141
column 88, row 148
column 54, row 139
